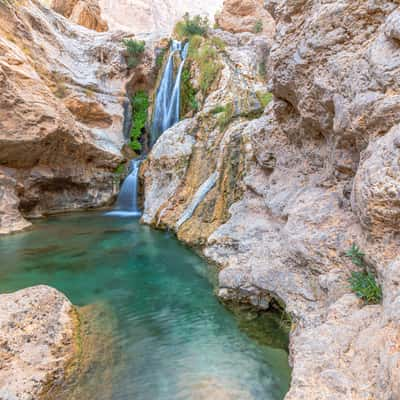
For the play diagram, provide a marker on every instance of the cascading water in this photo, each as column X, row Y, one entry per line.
column 127, row 204
column 167, row 107
column 166, row 114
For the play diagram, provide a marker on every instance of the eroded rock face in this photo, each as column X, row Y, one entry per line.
column 176, row 170
column 302, row 183
column 246, row 16
column 83, row 12
column 61, row 111
column 153, row 16
column 37, row 328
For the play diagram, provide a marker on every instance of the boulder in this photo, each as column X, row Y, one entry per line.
column 37, row 328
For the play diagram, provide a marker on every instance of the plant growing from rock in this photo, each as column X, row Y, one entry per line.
column 224, row 115
column 356, row 255
column 191, row 26
column 140, row 106
column 188, row 93
column 135, row 50
column 363, row 283
column 258, row 26
column 264, row 98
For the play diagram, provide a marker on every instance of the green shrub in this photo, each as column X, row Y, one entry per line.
column 225, row 115
column 258, row 26
column 364, row 285
column 262, row 69
column 188, row 93
column 119, row 170
column 135, row 50
column 218, row 43
column 218, row 110
column 160, row 58
column 140, row 106
column 191, row 26
column 356, row 255
column 207, row 60
column 264, row 98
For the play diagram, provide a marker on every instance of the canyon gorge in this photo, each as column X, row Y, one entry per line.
column 283, row 171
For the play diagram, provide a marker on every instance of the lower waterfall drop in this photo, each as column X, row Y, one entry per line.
column 127, row 204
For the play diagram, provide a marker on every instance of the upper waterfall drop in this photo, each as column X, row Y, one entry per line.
column 167, row 105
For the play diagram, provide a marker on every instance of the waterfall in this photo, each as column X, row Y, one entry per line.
column 167, row 106
column 128, row 197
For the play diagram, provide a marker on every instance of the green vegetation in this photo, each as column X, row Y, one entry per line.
column 258, row 26
column 118, row 172
column 218, row 43
column 135, row 50
column 207, row 60
column 203, row 53
column 160, row 58
column 363, row 283
column 264, row 98
column 224, row 115
column 191, row 26
column 188, row 94
column 262, row 70
column 140, row 106
column 356, row 255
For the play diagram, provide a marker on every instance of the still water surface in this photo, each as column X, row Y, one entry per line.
column 163, row 334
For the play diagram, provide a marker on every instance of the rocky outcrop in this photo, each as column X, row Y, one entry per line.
column 299, row 185
column 155, row 17
column 61, row 112
column 176, row 172
column 11, row 219
column 246, row 16
column 37, row 330
column 83, row 12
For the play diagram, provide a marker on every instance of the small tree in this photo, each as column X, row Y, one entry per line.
column 135, row 50
column 258, row 26
column 192, row 26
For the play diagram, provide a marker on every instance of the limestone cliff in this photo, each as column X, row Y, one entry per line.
column 83, row 12
column 276, row 200
column 156, row 17
column 61, row 114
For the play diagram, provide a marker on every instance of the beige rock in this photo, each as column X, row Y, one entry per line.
column 61, row 111
column 156, row 17
column 37, row 327
column 83, row 12
column 246, row 16
column 11, row 219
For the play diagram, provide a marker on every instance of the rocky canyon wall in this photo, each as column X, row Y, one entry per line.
column 276, row 200
column 61, row 114
column 156, row 17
